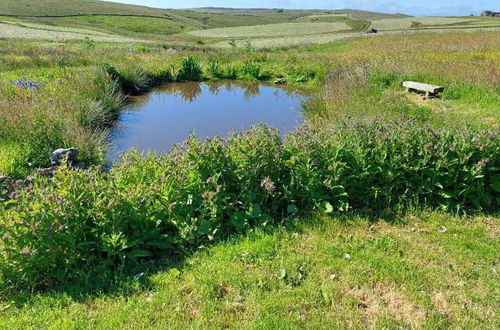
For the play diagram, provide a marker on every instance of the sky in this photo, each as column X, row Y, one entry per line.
column 415, row 8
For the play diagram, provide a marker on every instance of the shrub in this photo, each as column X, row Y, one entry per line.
column 231, row 73
column 190, row 69
column 251, row 69
column 80, row 225
column 213, row 69
column 135, row 81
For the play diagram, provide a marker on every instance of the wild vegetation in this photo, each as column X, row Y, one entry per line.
column 425, row 270
column 356, row 211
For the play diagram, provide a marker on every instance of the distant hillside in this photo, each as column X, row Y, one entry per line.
column 368, row 15
column 153, row 23
column 353, row 13
column 73, row 7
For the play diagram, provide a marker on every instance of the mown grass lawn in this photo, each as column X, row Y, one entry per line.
column 427, row 270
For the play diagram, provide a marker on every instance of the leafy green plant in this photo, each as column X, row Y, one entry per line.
column 213, row 69
column 80, row 224
column 231, row 72
column 248, row 46
column 190, row 69
column 135, row 81
column 144, row 49
column 88, row 43
column 251, row 69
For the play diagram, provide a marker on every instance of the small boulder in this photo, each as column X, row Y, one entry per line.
column 61, row 155
column 280, row 81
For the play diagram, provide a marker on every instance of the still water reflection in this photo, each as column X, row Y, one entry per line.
column 166, row 116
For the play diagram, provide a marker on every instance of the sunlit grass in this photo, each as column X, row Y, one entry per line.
column 423, row 271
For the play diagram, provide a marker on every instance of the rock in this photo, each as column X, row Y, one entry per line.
column 60, row 155
column 280, row 81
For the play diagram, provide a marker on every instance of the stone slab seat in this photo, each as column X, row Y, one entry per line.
column 430, row 90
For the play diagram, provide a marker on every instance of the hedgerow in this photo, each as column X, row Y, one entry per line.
column 79, row 224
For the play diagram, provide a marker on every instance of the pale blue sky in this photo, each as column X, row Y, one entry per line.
column 415, row 7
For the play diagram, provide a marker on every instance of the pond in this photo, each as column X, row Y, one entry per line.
column 167, row 116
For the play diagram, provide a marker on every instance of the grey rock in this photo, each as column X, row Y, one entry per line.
column 60, row 155
column 280, row 81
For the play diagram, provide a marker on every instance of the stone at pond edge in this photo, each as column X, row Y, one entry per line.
column 60, row 155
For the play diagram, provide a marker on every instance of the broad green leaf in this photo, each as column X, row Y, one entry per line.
column 139, row 253
column 327, row 207
column 238, row 220
column 204, row 227
column 255, row 211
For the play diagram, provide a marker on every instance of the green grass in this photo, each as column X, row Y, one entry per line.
column 433, row 23
column 270, row 30
column 150, row 27
column 47, row 32
column 419, row 271
column 72, row 7
column 11, row 156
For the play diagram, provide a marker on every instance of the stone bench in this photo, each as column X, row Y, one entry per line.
column 430, row 90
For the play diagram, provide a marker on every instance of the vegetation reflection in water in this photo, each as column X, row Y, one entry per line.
column 159, row 120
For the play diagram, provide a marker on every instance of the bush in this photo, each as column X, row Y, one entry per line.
column 231, row 73
column 190, row 69
column 81, row 225
column 213, row 69
column 135, row 81
column 251, row 69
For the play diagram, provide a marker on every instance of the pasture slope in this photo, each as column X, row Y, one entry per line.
column 381, row 212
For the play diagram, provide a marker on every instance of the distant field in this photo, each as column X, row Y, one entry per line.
column 352, row 13
column 290, row 41
column 142, row 27
column 263, row 28
column 425, row 22
column 272, row 30
column 47, row 32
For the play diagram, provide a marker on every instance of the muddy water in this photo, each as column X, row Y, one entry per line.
column 166, row 116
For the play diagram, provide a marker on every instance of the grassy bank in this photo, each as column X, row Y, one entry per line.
column 140, row 246
column 360, row 78
column 80, row 225
column 423, row 271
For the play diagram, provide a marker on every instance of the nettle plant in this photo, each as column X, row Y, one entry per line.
column 78, row 224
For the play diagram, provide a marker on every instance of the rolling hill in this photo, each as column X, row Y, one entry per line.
column 209, row 26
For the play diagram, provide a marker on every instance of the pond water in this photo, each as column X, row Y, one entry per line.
column 166, row 116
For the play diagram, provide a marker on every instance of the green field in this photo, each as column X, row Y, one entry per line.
column 408, row 274
column 381, row 211
column 263, row 28
column 272, row 30
column 433, row 22
column 9, row 29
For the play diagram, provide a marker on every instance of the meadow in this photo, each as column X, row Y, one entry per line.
column 47, row 32
column 349, row 219
column 426, row 270
column 270, row 30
